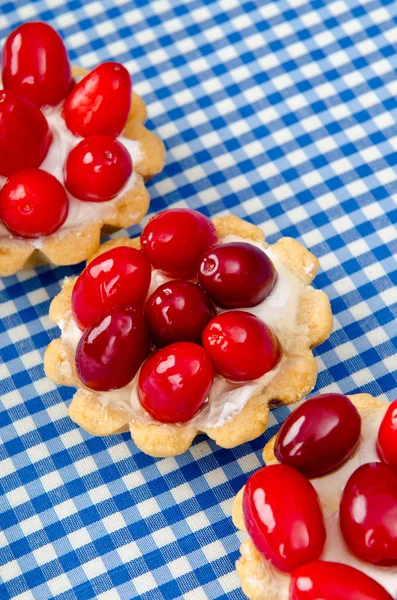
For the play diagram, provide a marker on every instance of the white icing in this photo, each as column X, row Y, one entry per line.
column 80, row 212
column 329, row 489
column 158, row 278
column 227, row 399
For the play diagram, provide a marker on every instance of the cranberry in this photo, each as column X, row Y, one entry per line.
column 24, row 134
column 241, row 346
column 118, row 276
column 175, row 382
column 100, row 103
column 319, row 435
column 97, row 169
column 334, row 581
column 237, row 275
column 112, row 349
column 368, row 514
column 387, row 437
column 33, row 203
column 178, row 311
column 283, row 516
column 174, row 241
column 35, row 64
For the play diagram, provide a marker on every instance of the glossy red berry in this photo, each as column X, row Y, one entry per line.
column 99, row 104
column 97, row 169
column 33, row 203
column 118, row 276
column 112, row 349
column 35, row 63
column 237, row 275
column 175, row 382
column 334, row 581
column 175, row 240
column 241, row 346
column 368, row 514
column 319, row 435
column 283, row 516
column 387, row 437
column 24, row 134
column 178, row 311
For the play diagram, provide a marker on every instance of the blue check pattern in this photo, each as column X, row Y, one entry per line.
column 284, row 113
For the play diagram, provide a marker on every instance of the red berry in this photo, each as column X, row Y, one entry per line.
column 100, row 103
column 283, row 516
column 33, row 203
column 241, row 346
column 112, row 349
column 368, row 514
column 387, row 437
column 175, row 382
column 334, row 581
column 24, row 134
column 35, row 64
column 178, row 311
column 118, row 276
column 175, row 240
column 237, row 275
column 319, row 435
column 97, row 169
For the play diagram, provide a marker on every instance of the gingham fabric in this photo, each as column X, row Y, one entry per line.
column 283, row 113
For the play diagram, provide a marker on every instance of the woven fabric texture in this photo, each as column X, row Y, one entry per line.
column 285, row 114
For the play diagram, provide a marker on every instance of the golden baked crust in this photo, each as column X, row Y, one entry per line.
column 256, row 574
column 77, row 244
column 294, row 380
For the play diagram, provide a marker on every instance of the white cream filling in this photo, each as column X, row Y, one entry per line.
column 80, row 213
column 227, row 399
column 329, row 489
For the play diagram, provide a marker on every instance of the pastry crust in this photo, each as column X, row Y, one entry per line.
column 77, row 244
column 294, row 380
column 256, row 574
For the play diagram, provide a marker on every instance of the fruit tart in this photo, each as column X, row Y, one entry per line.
column 322, row 515
column 74, row 152
column 195, row 327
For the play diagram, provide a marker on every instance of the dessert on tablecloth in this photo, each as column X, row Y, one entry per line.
column 74, row 152
column 195, row 327
column 322, row 515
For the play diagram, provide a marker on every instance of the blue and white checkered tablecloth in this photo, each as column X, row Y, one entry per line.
column 284, row 113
